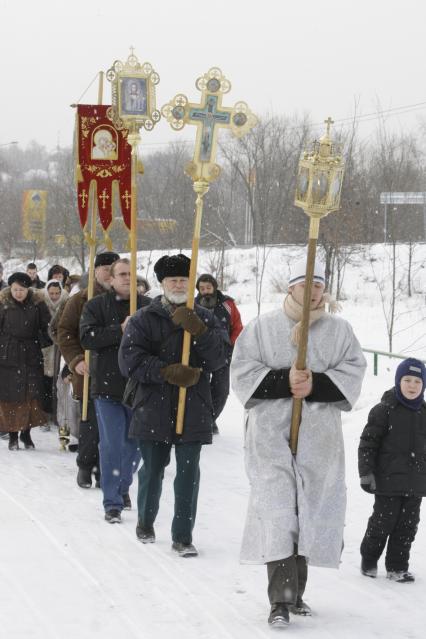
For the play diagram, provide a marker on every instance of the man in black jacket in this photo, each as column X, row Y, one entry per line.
column 151, row 352
column 225, row 309
column 68, row 337
column 102, row 323
column 32, row 272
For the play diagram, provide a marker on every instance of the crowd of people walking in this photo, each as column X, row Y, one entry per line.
column 297, row 503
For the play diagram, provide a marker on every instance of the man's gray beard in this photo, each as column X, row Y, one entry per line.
column 105, row 285
column 176, row 298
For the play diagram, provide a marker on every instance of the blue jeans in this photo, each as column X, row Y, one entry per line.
column 119, row 456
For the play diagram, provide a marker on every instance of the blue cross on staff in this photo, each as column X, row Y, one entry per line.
column 209, row 117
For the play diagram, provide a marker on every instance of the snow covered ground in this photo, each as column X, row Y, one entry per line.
column 66, row 574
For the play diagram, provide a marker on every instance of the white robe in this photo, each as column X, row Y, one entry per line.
column 299, row 500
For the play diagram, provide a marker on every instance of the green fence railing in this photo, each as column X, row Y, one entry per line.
column 385, row 354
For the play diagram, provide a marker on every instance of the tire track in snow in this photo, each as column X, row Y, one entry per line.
column 72, row 560
column 170, row 565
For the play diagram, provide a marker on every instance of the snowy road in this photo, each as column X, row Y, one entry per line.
column 67, row 574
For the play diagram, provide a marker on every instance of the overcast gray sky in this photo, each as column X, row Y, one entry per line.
column 281, row 56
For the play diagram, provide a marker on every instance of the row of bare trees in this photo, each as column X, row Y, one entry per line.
column 252, row 201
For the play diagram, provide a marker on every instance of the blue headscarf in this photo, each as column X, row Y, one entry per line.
column 414, row 368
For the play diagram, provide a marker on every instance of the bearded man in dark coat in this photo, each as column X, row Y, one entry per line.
column 150, row 353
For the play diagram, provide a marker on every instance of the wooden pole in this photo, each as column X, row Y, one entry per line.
column 91, row 283
column 133, row 139
column 200, row 187
column 300, row 364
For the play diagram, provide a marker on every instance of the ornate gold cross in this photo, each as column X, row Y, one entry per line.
column 209, row 116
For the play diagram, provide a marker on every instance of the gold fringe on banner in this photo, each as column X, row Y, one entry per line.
column 107, row 241
column 141, row 168
column 88, row 238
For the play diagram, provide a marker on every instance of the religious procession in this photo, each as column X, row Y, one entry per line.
column 131, row 375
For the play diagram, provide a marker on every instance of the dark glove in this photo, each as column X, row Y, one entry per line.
column 181, row 375
column 368, row 483
column 189, row 321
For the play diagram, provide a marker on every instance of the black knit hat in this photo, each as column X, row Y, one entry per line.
column 172, row 266
column 106, row 259
column 206, row 277
column 20, row 278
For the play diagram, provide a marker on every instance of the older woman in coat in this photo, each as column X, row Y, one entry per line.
column 24, row 320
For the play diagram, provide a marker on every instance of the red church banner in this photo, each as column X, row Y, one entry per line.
column 104, row 156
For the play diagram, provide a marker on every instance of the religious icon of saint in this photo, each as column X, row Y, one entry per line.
column 104, row 146
column 133, row 98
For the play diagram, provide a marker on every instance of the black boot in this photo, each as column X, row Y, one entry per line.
column 84, row 478
column 13, row 441
column 145, row 534
column 369, row 567
column 279, row 617
column 25, row 438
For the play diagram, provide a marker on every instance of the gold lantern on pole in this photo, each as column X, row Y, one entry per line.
column 318, row 190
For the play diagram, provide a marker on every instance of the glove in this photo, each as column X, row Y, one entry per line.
column 189, row 321
column 181, row 375
column 368, row 483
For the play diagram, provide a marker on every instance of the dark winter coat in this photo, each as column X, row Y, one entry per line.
column 68, row 335
column 23, row 333
column 151, row 341
column 393, row 448
column 100, row 332
column 228, row 314
column 38, row 283
column 3, row 285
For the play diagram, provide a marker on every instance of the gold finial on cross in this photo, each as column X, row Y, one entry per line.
column 209, row 116
column 329, row 121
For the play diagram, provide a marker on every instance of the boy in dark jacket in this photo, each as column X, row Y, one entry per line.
column 392, row 465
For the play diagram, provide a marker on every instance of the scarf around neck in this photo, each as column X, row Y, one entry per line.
column 293, row 310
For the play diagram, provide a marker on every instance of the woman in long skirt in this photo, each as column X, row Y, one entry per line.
column 24, row 320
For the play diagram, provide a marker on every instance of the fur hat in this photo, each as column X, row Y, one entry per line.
column 298, row 272
column 206, row 277
column 106, row 259
column 20, row 278
column 172, row 266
